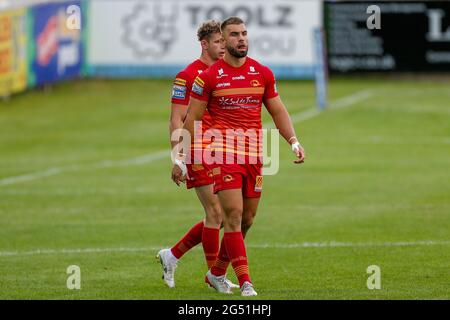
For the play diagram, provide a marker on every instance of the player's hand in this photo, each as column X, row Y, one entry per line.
column 178, row 174
column 299, row 152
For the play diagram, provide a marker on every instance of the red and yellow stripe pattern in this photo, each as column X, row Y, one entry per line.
column 180, row 82
column 238, row 91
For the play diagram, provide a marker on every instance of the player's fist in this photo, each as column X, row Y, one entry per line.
column 179, row 172
column 299, row 152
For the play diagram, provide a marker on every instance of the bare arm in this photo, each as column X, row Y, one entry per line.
column 284, row 124
column 195, row 113
column 280, row 117
column 177, row 116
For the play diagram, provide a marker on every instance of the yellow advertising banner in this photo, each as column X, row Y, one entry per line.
column 13, row 51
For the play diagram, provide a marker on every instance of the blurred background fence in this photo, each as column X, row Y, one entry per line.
column 43, row 42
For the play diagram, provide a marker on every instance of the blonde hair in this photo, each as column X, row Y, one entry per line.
column 207, row 29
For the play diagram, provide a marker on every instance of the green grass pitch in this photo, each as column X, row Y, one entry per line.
column 83, row 182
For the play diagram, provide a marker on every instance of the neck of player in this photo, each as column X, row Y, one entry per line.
column 234, row 61
column 206, row 58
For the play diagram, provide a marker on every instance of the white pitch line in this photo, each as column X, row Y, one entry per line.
column 136, row 161
column 351, row 99
column 337, row 244
column 30, row 176
column 159, row 155
column 328, row 244
column 343, row 102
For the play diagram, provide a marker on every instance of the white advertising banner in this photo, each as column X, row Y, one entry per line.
column 158, row 37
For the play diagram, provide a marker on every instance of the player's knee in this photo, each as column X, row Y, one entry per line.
column 214, row 215
column 233, row 224
column 234, row 217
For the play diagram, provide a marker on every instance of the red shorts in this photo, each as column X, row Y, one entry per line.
column 198, row 175
column 247, row 177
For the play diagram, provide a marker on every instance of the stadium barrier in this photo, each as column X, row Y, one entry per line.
column 37, row 45
column 145, row 38
column 56, row 48
column 13, row 52
column 413, row 36
column 158, row 38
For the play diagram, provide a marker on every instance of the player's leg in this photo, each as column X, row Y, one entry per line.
column 197, row 178
column 233, row 235
column 211, row 230
column 213, row 221
column 195, row 234
column 232, row 205
column 252, row 187
column 251, row 193
column 250, row 206
column 249, row 213
column 169, row 257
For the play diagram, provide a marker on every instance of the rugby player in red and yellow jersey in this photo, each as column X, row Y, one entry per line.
column 196, row 175
column 233, row 90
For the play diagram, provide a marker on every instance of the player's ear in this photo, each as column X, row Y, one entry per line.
column 204, row 43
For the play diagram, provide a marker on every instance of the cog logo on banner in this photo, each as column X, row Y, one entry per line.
column 149, row 31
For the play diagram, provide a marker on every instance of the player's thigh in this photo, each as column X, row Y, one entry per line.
column 232, row 204
column 208, row 199
column 231, row 201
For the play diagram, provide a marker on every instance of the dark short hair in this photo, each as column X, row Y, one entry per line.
column 229, row 21
column 207, row 29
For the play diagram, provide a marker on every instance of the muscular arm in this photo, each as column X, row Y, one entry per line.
column 183, row 117
column 195, row 113
column 284, row 124
column 177, row 117
column 281, row 118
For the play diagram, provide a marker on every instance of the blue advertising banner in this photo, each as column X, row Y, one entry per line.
column 57, row 41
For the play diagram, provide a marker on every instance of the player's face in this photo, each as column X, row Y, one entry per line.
column 236, row 40
column 216, row 48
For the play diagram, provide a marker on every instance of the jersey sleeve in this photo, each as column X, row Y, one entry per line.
column 270, row 85
column 201, row 88
column 181, row 89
